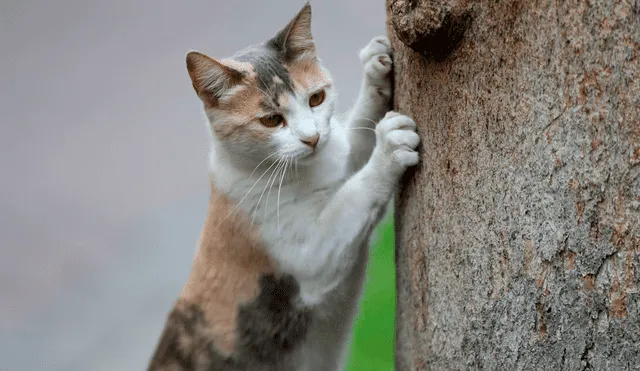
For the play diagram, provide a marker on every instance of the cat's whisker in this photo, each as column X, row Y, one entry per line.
column 266, row 85
column 255, row 211
column 269, row 92
column 266, row 158
column 276, row 171
column 365, row 119
column 361, row 128
column 345, row 114
column 280, row 189
column 245, row 196
column 266, row 93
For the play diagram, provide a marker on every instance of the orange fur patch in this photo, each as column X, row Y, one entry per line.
column 240, row 112
column 283, row 100
column 306, row 74
column 226, row 270
column 242, row 108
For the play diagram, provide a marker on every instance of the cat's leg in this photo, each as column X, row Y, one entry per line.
column 374, row 100
column 357, row 206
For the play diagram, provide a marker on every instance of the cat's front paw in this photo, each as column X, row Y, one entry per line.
column 396, row 145
column 376, row 57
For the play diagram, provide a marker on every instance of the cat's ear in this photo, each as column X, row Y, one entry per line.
column 210, row 78
column 295, row 41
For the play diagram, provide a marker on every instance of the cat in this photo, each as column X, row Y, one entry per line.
column 277, row 276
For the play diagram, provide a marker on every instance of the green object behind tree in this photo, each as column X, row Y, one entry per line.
column 373, row 340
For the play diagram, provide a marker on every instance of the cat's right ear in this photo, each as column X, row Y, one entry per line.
column 210, row 78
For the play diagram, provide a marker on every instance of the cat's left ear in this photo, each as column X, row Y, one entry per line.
column 210, row 78
column 295, row 41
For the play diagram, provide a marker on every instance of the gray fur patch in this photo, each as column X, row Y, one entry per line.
column 269, row 329
column 272, row 325
column 273, row 78
column 184, row 346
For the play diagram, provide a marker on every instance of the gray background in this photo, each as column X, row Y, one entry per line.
column 103, row 180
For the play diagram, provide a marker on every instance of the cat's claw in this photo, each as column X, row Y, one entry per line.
column 378, row 63
column 378, row 45
column 397, row 143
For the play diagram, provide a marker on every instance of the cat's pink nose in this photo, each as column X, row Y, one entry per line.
column 311, row 141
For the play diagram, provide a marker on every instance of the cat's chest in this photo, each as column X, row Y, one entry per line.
column 290, row 221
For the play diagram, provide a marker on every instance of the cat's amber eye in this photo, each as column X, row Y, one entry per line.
column 272, row 120
column 317, row 98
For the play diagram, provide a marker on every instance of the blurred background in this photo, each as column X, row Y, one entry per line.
column 103, row 173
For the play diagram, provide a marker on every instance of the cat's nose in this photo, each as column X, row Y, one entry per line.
column 311, row 141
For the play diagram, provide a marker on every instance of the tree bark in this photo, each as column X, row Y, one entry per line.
column 518, row 235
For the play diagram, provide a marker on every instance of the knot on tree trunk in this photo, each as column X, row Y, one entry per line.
column 433, row 28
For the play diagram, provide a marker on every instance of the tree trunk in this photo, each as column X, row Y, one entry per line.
column 518, row 235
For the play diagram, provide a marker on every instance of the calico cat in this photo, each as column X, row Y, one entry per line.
column 295, row 195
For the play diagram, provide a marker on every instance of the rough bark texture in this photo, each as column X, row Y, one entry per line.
column 518, row 236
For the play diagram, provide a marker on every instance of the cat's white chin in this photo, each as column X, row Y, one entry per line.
column 305, row 156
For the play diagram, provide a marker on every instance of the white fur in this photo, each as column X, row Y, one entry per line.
column 316, row 218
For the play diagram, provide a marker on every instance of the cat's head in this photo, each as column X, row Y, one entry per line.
column 268, row 98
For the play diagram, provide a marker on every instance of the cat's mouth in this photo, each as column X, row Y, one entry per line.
column 305, row 156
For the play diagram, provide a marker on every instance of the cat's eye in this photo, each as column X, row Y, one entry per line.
column 272, row 120
column 317, row 98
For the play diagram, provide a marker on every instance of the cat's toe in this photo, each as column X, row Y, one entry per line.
column 378, row 45
column 395, row 121
column 383, row 40
column 405, row 157
column 378, row 68
column 385, row 60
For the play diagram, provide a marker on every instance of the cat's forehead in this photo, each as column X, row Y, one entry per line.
column 276, row 77
column 268, row 66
